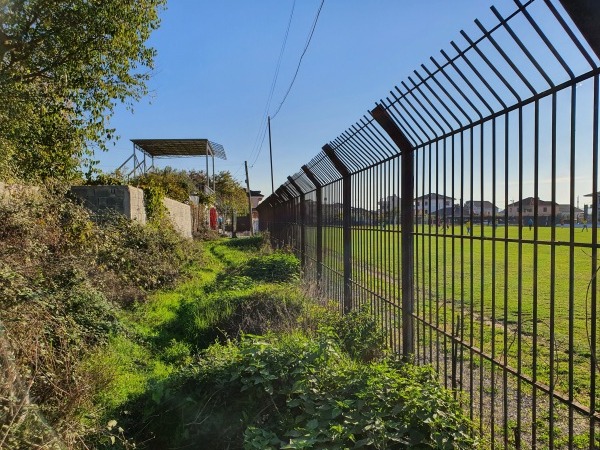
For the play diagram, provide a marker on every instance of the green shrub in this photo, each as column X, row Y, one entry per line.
column 146, row 257
column 228, row 281
column 153, row 202
column 248, row 244
column 277, row 267
column 62, row 280
column 295, row 392
column 98, row 178
column 223, row 315
column 177, row 353
column 359, row 334
column 175, row 184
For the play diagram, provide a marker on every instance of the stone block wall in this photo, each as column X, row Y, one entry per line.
column 126, row 200
column 180, row 215
column 129, row 201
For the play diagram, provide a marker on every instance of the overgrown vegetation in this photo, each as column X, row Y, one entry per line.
column 175, row 184
column 234, row 357
column 292, row 391
column 179, row 185
column 64, row 280
column 255, row 364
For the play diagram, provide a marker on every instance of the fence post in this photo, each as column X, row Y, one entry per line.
column 280, row 228
column 302, row 223
column 319, row 249
column 586, row 15
column 289, row 213
column 347, row 224
column 407, row 193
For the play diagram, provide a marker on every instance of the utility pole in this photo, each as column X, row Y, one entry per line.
column 249, row 198
column 271, row 156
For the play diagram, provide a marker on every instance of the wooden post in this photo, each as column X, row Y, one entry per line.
column 249, row 198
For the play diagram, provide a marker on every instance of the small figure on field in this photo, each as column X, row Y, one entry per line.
column 530, row 223
column 584, row 222
column 468, row 225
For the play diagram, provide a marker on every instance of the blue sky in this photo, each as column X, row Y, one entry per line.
column 216, row 62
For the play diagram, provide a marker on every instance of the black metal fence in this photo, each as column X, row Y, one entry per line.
column 453, row 211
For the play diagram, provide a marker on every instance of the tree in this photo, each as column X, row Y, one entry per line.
column 175, row 184
column 230, row 195
column 64, row 64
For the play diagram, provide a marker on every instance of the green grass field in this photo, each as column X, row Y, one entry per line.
column 506, row 288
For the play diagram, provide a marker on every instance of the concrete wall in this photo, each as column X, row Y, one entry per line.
column 129, row 201
column 180, row 215
column 126, row 200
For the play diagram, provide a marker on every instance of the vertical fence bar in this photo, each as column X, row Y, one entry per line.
column 537, row 379
column 347, row 224
column 302, row 218
column 594, row 319
column 319, row 219
column 586, row 15
column 407, row 195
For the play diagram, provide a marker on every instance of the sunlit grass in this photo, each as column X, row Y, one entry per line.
column 507, row 283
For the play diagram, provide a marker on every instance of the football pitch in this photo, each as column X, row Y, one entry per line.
column 524, row 297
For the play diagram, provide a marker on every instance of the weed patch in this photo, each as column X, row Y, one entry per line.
column 64, row 280
column 294, row 392
column 278, row 267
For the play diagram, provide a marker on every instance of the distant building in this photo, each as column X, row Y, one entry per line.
column 527, row 205
column 595, row 199
column 389, row 209
column 456, row 212
column 362, row 216
column 390, row 203
column 480, row 208
column 430, row 203
column 564, row 212
column 255, row 198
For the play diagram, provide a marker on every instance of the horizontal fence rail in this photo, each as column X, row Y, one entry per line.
column 463, row 211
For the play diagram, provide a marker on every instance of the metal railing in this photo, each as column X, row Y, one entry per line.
column 452, row 212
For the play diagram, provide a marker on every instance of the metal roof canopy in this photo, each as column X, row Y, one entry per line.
column 163, row 148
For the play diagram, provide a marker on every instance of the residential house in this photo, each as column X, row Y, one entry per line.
column 362, row 216
column 455, row 212
column 544, row 208
column 430, row 203
column 255, row 198
column 597, row 195
column 564, row 212
column 480, row 208
column 390, row 203
column 389, row 209
column 595, row 200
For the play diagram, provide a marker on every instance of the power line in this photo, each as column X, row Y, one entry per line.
column 238, row 170
column 264, row 134
column 260, row 136
column 308, row 40
column 314, row 25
